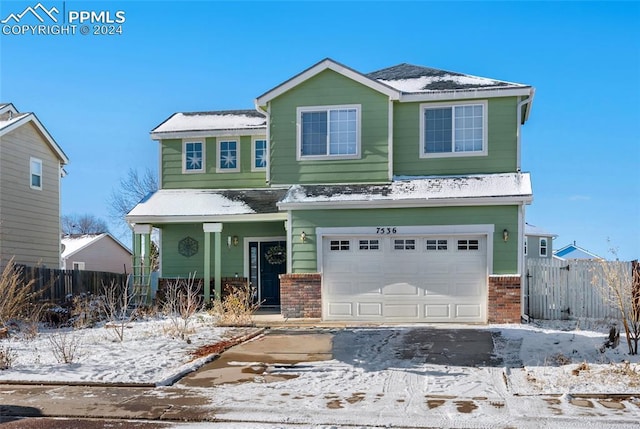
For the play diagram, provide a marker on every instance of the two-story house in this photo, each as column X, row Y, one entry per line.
column 31, row 168
column 390, row 196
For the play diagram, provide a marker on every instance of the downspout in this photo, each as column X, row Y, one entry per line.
column 521, row 105
column 268, row 115
column 390, row 134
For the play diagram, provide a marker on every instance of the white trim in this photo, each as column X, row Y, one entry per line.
column 80, row 265
column 485, row 230
column 253, row 153
column 546, row 247
column 31, row 117
column 390, row 142
column 441, row 202
column 327, row 64
column 252, row 217
column 302, row 109
column 220, row 140
column 289, row 231
column 202, row 168
column 212, row 227
column 453, row 153
column 142, row 228
column 464, row 94
column 208, row 133
column 37, row 161
column 520, row 238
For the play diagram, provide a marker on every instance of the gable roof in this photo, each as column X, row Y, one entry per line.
column 10, row 119
column 572, row 251
column 537, row 231
column 408, row 82
column 221, row 122
column 184, row 205
column 75, row 243
column 415, row 192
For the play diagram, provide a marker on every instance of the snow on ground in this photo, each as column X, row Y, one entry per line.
column 152, row 352
column 558, row 357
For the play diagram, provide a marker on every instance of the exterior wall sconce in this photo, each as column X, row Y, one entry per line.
column 232, row 241
column 303, row 237
column 505, row 234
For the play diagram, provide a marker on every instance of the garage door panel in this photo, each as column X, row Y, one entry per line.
column 405, row 278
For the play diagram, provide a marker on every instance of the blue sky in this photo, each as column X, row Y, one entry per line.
column 99, row 96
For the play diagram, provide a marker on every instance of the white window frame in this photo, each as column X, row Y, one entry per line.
column 219, row 142
column 544, row 248
column 526, row 245
column 254, row 140
column 78, row 266
column 453, row 153
column 203, row 142
column 301, row 110
column 32, row 173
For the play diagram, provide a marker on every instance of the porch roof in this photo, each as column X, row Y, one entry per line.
column 404, row 191
column 207, row 205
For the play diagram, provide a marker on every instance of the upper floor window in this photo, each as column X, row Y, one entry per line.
column 228, row 156
column 329, row 132
column 192, row 156
column 259, row 157
column 543, row 247
column 35, row 173
column 453, row 129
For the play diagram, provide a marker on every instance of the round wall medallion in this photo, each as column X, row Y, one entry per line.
column 188, row 247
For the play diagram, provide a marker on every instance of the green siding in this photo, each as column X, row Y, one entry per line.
column 173, row 178
column 330, row 88
column 176, row 265
column 505, row 254
column 502, row 143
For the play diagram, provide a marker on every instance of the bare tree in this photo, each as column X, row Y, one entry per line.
column 622, row 288
column 132, row 188
column 83, row 224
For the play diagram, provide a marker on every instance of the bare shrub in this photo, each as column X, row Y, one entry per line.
column 119, row 304
column 85, row 310
column 622, row 289
column 236, row 307
column 33, row 318
column 15, row 294
column 181, row 302
column 7, row 357
column 66, row 347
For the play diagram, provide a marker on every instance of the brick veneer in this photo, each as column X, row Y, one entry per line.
column 504, row 299
column 300, row 295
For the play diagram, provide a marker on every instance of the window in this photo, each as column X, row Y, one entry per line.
column 401, row 244
column 468, row 245
column 437, row 244
column 259, row 157
column 339, row 245
column 78, row 265
column 369, row 245
column 192, row 157
column 453, row 130
column 543, row 247
column 526, row 245
column 228, row 156
column 329, row 132
column 36, row 174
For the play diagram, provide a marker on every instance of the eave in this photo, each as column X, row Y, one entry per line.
column 31, row 117
column 208, row 133
column 466, row 94
column 253, row 217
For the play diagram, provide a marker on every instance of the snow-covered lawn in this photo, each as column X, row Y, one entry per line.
column 558, row 357
column 152, row 352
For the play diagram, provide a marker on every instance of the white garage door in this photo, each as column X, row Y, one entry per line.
column 405, row 279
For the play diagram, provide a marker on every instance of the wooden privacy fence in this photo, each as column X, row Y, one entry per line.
column 561, row 289
column 56, row 284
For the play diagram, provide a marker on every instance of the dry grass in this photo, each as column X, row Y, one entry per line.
column 16, row 296
column 236, row 308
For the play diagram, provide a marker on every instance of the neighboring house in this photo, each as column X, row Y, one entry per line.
column 573, row 251
column 390, row 196
column 95, row 252
column 31, row 168
column 538, row 243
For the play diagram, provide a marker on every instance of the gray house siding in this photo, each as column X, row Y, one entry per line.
column 102, row 255
column 29, row 218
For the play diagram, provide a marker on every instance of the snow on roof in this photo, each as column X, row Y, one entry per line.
column 74, row 243
column 219, row 120
column 410, row 78
column 535, row 230
column 407, row 188
column 6, row 121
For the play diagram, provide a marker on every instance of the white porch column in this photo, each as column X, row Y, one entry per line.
column 142, row 257
column 216, row 228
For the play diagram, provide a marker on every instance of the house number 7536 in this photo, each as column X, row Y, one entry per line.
column 386, row 230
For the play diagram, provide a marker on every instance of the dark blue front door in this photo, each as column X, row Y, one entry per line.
column 272, row 264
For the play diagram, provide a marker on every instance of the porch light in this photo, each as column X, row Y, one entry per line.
column 303, row 237
column 505, row 234
column 235, row 240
